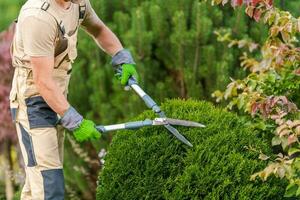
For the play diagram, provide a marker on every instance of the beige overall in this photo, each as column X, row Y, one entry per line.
column 40, row 138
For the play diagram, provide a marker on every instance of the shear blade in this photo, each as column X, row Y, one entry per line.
column 184, row 123
column 178, row 135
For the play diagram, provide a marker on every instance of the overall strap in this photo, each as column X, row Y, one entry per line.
column 82, row 11
column 45, row 7
column 62, row 40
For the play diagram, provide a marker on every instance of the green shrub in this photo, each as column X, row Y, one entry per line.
column 151, row 164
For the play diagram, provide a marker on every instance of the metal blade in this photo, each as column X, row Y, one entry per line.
column 178, row 135
column 152, row 104
column 184, row 123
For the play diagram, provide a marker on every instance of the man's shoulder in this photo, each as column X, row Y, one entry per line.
column 33, row 9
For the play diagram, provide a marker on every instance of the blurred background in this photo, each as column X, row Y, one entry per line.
column 177, row 56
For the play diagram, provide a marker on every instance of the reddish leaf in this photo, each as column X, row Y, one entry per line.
column 254, row 2
column 264, row 110
column 292, row 139
column 247, row 2
column 235, row 3
column 283, row 99
column 257, row 14
column 297, row 72
column 270, row 2
column 239, row 2
column 254, row 108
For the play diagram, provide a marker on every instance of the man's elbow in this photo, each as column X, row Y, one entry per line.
column 96, row 30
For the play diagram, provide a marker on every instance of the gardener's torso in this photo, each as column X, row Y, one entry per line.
column 57, row 37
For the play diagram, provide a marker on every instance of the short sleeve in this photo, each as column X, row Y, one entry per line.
column 90, row 16
column 38, row 37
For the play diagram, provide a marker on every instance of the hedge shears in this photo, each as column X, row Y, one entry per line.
column 161, row 121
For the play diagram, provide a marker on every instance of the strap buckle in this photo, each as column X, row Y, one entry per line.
column 62, row 28
column 45, row 6
column 82, row 10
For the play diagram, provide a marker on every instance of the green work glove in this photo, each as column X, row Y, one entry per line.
column 128, row 70
column 86, row 131
column 123, row 59
column 82, row 129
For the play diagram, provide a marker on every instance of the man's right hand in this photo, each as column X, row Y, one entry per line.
column 82, row 129
column 86, row 131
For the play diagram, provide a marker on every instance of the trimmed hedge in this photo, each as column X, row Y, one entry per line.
column 151, row 164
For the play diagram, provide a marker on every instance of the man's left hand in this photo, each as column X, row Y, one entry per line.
column 128, row 70
column 128, row 67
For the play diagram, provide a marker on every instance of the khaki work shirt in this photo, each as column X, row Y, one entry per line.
column 37, row 30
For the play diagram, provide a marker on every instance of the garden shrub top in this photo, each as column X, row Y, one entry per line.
column 151, row 164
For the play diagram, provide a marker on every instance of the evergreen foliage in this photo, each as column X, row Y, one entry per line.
column 172, row 63
column 176, row 52
column 151, row 164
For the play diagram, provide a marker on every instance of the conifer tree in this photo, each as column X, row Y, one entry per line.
column 175, row 48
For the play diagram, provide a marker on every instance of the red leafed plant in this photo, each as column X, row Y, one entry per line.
column 268, row 92
column 8, row 134
column 250, row 2
column 7, row 130
column 255, row 8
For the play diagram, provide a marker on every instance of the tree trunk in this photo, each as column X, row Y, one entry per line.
column 9, row 183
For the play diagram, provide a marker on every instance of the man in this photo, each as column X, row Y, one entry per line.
column 43, row 50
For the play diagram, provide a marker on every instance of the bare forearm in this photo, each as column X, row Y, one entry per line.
column 53, row 96
column 108, row 41
column 42, row 75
